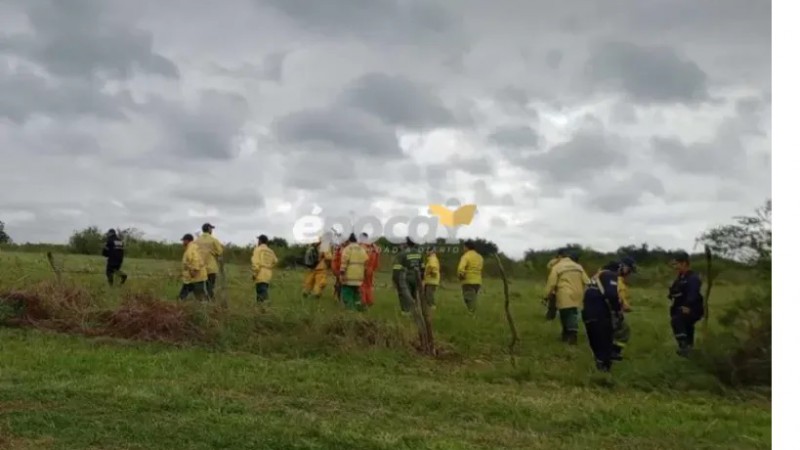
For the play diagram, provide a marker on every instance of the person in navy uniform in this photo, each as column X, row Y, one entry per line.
column 687, row 303
column 114, row 251
column 602, row 313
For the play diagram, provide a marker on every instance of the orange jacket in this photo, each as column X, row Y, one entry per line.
column 373, row 258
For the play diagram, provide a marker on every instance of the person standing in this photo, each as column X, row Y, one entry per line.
column 262, row 263
column 114, row 251
column 316, row 260
column 398, row 279
column 432, row 277
column 373, row 257
column 211, row 251
column 410, row 284
column 622, row 330
column 687, row 303
column 193, row 271
column 600, row 307
column 470, row 268
column 566, row 282
column 353, row 267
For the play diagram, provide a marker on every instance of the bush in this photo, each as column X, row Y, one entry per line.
column 89, row 241
column 741, row 354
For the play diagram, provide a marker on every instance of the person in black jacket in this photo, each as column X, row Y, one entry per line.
column 114, row 252
column 687, row 303
column 602, row 311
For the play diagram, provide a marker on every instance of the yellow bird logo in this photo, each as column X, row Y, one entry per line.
column 450, row 218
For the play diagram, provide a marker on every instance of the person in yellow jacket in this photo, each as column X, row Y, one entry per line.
column 431, row 278
column 353, row 268
column 261, row 264
column 211, row 250
column 470, row 268
column 567, row 280
column 193, row 271
column 317, row 261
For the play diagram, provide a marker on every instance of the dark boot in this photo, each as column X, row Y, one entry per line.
column 572, row 338
column 124, row 279
column 616, row 353
column 603, row 366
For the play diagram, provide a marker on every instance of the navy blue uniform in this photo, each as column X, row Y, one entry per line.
column 601, row 306
column 685, row 293
column 114, row 251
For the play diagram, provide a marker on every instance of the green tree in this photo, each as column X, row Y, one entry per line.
column 88, row 241
column 4, row 237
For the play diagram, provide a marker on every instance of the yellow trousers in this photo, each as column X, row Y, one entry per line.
column 315, row 282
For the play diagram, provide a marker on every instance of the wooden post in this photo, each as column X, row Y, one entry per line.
column 509, row 318
column 53, row 266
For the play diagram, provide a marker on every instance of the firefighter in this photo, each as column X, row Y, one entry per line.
column 211, row 250
column 193, row 271
column 622, row 331
column 601, row 308
column 566, row 283
column 432, row 277
column 262, row 263
column 351, row 274
column 316, row 259
column 469, row 271
column 114, row 251
column 687, row 303
column 398, row 279
column 411, row 261
column 373, row 253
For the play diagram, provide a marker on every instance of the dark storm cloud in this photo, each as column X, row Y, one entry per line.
column 317, row 170
column 646, row 74
column 515, row 137
column 26, row 94
column 84, row 38
column 394, row 22
column 397, row 100
column 204, row 129
column 587, row 154
column 347, row 129
column 617, row 196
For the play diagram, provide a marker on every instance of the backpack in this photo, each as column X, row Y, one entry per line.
column 311, row 257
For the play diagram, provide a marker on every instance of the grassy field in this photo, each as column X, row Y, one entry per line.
column 301, row 375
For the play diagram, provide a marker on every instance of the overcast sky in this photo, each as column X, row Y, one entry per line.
column 599, row 122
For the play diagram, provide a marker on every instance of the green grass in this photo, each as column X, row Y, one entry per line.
column 282, row 380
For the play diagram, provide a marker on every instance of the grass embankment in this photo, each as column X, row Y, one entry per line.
column 302, row 376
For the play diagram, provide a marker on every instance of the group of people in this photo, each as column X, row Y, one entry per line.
column 603, row 301
column 416, row 273
column 600, row 301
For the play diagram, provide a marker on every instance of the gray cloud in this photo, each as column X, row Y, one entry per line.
column 515, row 137
column 346, row 129
column 485, row 197
column 554, row 58
column 270, row 68
column 84, row 38
column 220, row 195
column 397, row 100
column 654, row 74
column 618, row 196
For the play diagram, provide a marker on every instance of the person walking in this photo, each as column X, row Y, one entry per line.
column 114, row 251
column 353, row 267
column 687, row 303
column 470, row 268
column 262, row 264
column 211, row 250
column 193, row 273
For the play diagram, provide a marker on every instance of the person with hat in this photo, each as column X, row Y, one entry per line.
column 470, row 269
column 411, row 283
column 601, row 306
column 114, row 251
column 262, row 263
column 622, row 331
column 566, row 282
column 687, row 303
column 193, row 273
column 211, row 251
column 368, row 287
column 353, row 267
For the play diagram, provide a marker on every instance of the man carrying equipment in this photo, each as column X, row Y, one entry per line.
column 601, row 308
column 114, row 251
column 567, row 281
column 687, row 303
column 211, row 251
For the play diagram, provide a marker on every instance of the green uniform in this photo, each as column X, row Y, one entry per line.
column 411, row 260
column 398, row 278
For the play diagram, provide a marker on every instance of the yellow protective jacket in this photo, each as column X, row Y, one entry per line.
column 432, row 269
column 192, row 268
column 470, row 267
column 354, row 263
column 622, row 291
column 211, row 250
column 568, row 280
column 262, row 262
column 324, row 261
column 552, row 263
